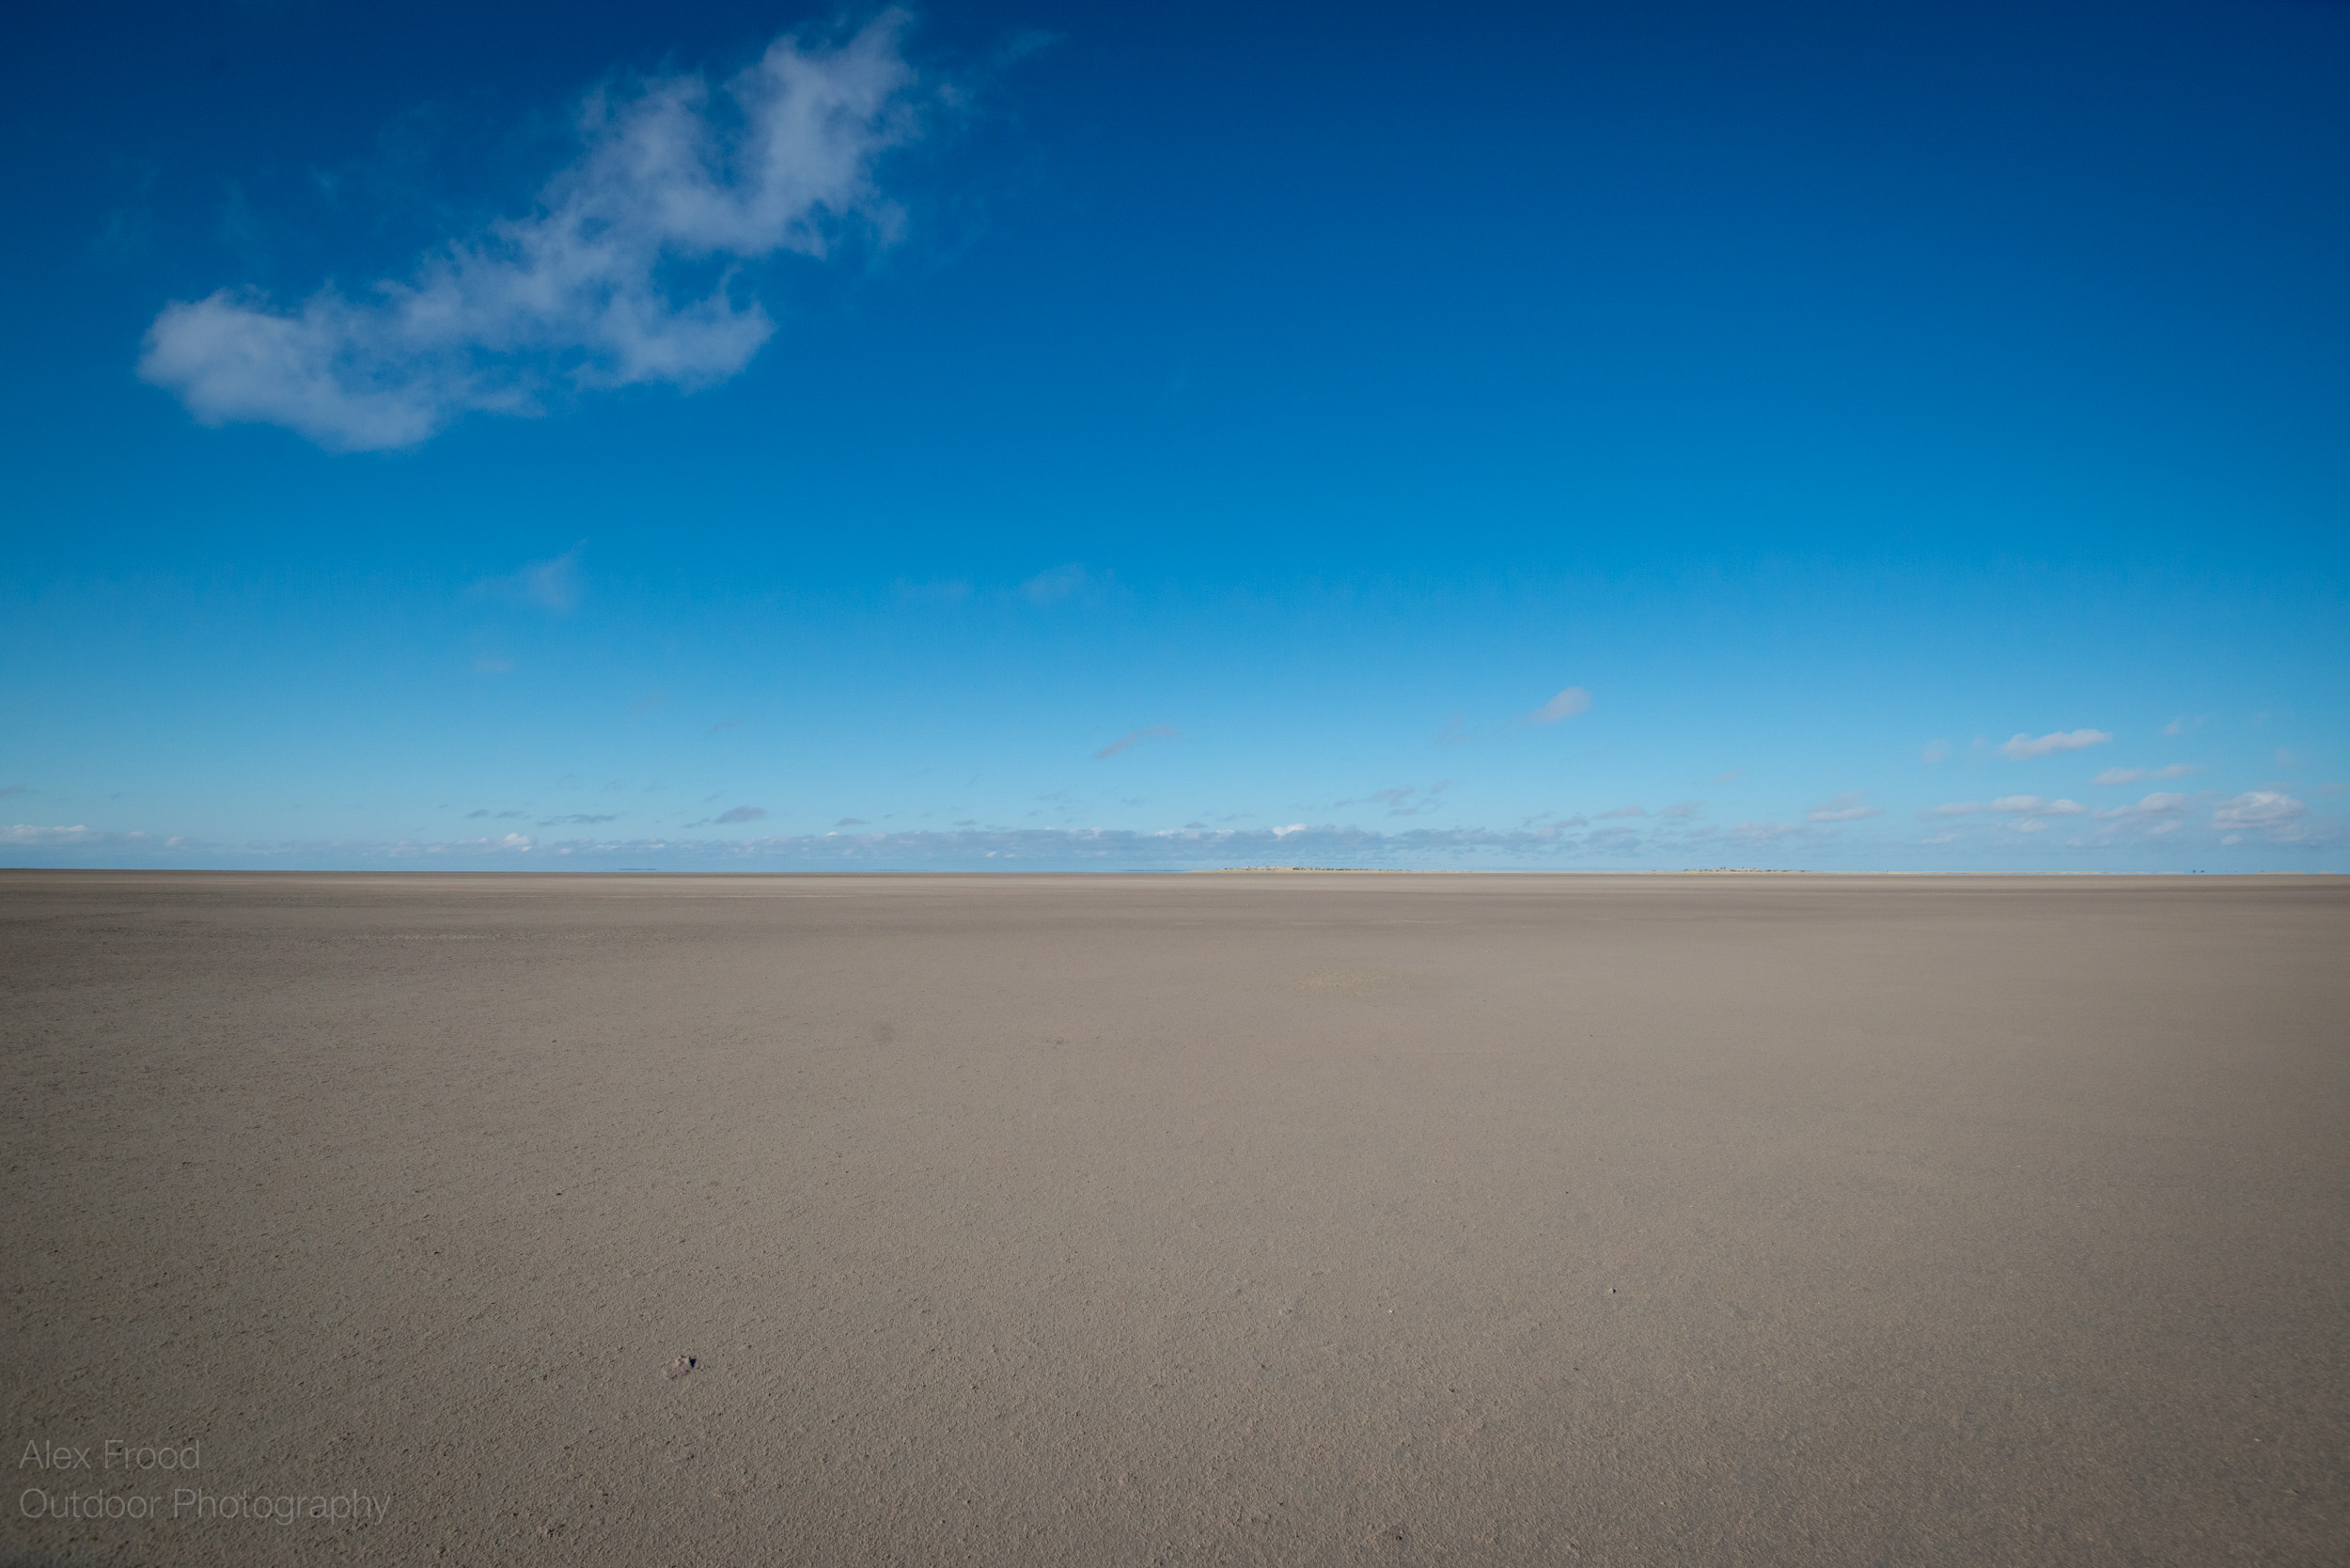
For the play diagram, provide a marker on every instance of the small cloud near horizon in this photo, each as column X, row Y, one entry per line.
column 2159, row 803
column 2140, row 776
column 1850, row 806
column 35, row 835
column 743, row 814
column 2021, row 806
column 2022, row 747
column 2258, row 810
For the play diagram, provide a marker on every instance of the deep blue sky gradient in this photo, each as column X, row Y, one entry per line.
column 1328, row 385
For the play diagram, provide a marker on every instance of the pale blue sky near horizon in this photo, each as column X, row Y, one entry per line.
column 1034, row 435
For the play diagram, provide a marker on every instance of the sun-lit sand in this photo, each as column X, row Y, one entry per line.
column 1179, row 1219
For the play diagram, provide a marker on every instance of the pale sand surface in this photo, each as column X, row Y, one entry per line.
column 1111, row 1220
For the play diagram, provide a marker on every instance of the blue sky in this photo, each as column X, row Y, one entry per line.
column 1839, row 436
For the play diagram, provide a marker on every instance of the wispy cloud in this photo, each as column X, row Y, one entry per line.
column 1056, row 584
column 579, row 819
column 553, row 585
column 1409, row 800
column 2181, row 725
column 1134, row 738
column 1621, row 811
column 1680, row 811
column 2022, row 747
column 1850, row 806
column 625, row 270
column 7, row 790
column 743, row 814
column 81, row 837
column 1568, row 703
column 2021, row 806
column 32, row 833
column 1761, row 833
column 2038, row 806
column 1933, row 751
column 2139, row 775
column 2159, row 803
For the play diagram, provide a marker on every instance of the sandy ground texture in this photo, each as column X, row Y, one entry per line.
column 1176, row 1220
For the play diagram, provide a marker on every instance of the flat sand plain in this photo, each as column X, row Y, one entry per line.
column 1182, row 1220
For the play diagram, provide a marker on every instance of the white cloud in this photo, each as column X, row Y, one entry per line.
column 2022, row 806
column 1568, row 703
column 1133, row 738
column 2021, row 746
column 2257, row 810
column 1847, row 807
column 623, row 273
column 2159, row 804
column 29, row 833
column 2038, row 806
column 2135, row 775
column 1760, row 833
column 1058, row 583
column 554, row 584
